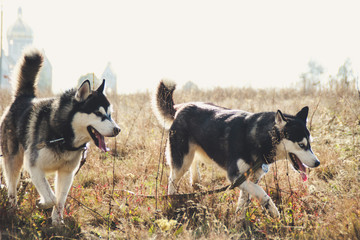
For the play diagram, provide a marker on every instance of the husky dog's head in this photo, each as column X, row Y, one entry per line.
column 93, row 119
column 296, row 140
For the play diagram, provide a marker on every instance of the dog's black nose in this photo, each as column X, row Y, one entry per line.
column 116, row 131
column 317, row 163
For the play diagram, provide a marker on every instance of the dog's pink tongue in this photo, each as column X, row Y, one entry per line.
column 303, row 176
column 302, row 170
column 102, row 144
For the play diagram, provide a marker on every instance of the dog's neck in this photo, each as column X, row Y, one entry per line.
column 277, row 135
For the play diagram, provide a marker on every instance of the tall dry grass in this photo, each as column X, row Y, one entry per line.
column 326, row 206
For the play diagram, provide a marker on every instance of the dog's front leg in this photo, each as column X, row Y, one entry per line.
column 244, row 199
column 252, row 188
column 259, row 193
column 47, row 197
column 63, row 183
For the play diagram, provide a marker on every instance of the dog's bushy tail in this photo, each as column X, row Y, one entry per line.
column 26, row 72
column 163, row 103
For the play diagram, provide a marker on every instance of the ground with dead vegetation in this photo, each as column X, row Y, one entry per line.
column 327, row 206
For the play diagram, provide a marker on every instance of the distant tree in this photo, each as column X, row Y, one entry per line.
column 312, row 78
column 346, row 75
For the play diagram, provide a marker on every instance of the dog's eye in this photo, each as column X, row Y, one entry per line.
column 301, row 145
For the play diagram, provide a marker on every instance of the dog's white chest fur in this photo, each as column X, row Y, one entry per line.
column 50, row 161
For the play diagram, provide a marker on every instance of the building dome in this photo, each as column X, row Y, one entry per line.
column 19, row 36
column 19, row 29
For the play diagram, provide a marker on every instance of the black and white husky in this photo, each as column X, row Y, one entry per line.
column 49, row 135
column 234, row 139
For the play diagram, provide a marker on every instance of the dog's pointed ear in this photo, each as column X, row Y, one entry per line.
column 303, row 114
column 102, row 87
column 280, row 120
column 83, row 92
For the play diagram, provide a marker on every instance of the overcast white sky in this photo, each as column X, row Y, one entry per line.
column 212, row 43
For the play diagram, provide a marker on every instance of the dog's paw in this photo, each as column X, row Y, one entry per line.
column 197, row 186
column 242, row 208
column 241, row 212
column 44, row 205
column 171, row 189
column 57, row 222
column 269, row 205
column 13, row 202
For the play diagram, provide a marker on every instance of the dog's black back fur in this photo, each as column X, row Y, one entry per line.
column 225, row 135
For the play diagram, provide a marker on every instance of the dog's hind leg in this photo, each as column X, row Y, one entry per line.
column 242, row 204
column 181, row 158
column 195, row 174
column 12, row 167
column 63, row 183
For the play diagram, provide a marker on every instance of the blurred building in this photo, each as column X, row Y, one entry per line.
column 19, row 36
column 190, row 86
column 110, row 79
column 94, row 81
column 109, row 76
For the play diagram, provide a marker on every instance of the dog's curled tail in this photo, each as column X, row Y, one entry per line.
column 163, row 103
column 26, row 72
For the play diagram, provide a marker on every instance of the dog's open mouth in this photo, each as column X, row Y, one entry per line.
column 299, row 166
column 99, row 139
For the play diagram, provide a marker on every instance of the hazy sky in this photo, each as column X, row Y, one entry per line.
column 212, row 43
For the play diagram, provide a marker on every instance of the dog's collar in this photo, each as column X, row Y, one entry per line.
column 66, row 145
column 74, row 149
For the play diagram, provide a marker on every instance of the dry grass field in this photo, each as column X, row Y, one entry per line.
column 327, row 206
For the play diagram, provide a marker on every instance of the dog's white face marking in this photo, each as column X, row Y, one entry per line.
column 104, row 114
column 99, row 120
column 301, row 149
column 102, row 110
